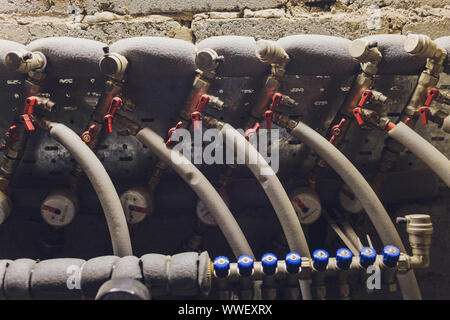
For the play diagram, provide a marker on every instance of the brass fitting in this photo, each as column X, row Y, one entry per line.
column 207, row 60
column 422, row 46
column 284, row 121
column 367, row 54
column 420, row 230
column 113, row 64
column 24, row 61
column 270, row 52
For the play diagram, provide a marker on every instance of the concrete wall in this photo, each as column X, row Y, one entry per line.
column 108, row 21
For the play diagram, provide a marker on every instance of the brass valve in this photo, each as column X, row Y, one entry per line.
column 24, row 61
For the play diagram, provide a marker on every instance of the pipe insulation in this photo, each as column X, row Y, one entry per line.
column 202, row 187
column 423, row 150
column 185, row 274
column 103, row 186
column 318, row 55
column 70, row 57
column 396, row 60
column 362, row 190
column 157, row 57
column 275, row 192
column 239, row 56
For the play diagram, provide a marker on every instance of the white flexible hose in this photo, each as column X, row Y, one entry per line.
column 103, row 186
column 362, row 190
column 276, row 194
column 202, row 187
column 423, row 150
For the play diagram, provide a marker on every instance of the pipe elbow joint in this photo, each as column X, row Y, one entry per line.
column 113, row 65
column 24, row 61
column 270, row 52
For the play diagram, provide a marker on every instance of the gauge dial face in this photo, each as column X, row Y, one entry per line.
column 308, row 207
column 203, row 213
column 136, row 205
column 348, row 200
column 58, row 210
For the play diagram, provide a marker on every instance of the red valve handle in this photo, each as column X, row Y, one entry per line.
column 276, row 99
column 268, row 116
column 116, row 102
column 27, row 122
column 367, row 94
column 88, row 136
column 30, row 103
column 10, row 137
column 196, row 115
column 432, row 94
column 252, row 131
column 358, row 113
column 171, row 131
column 336, row 130
column 423, row 113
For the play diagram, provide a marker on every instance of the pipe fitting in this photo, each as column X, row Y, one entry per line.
column 422, row 46
column 420, row 229
column 367, row 54
column 207, row 60
column 24, row 61
column 113, row 65
column 271, row 52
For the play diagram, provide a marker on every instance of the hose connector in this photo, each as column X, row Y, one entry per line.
column 113, row 64
column 24, row 61
column 271, row 52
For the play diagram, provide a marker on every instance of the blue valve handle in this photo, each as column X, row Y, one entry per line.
column 269, row 263
column 221, row 266
column 245, row 265
column 344, row 258
column 367, row 256
column 293, row 262
column 320, row 259
column 391, row 254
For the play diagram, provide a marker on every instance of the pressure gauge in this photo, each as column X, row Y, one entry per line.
column 307, row 205
column 59, row 208
column 137, row 203
column 348, row 200
column 203, row 213
column 5, row 207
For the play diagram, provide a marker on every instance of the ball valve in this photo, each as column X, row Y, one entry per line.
column 307, row 205
column 59, row 208
column 137, row 204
